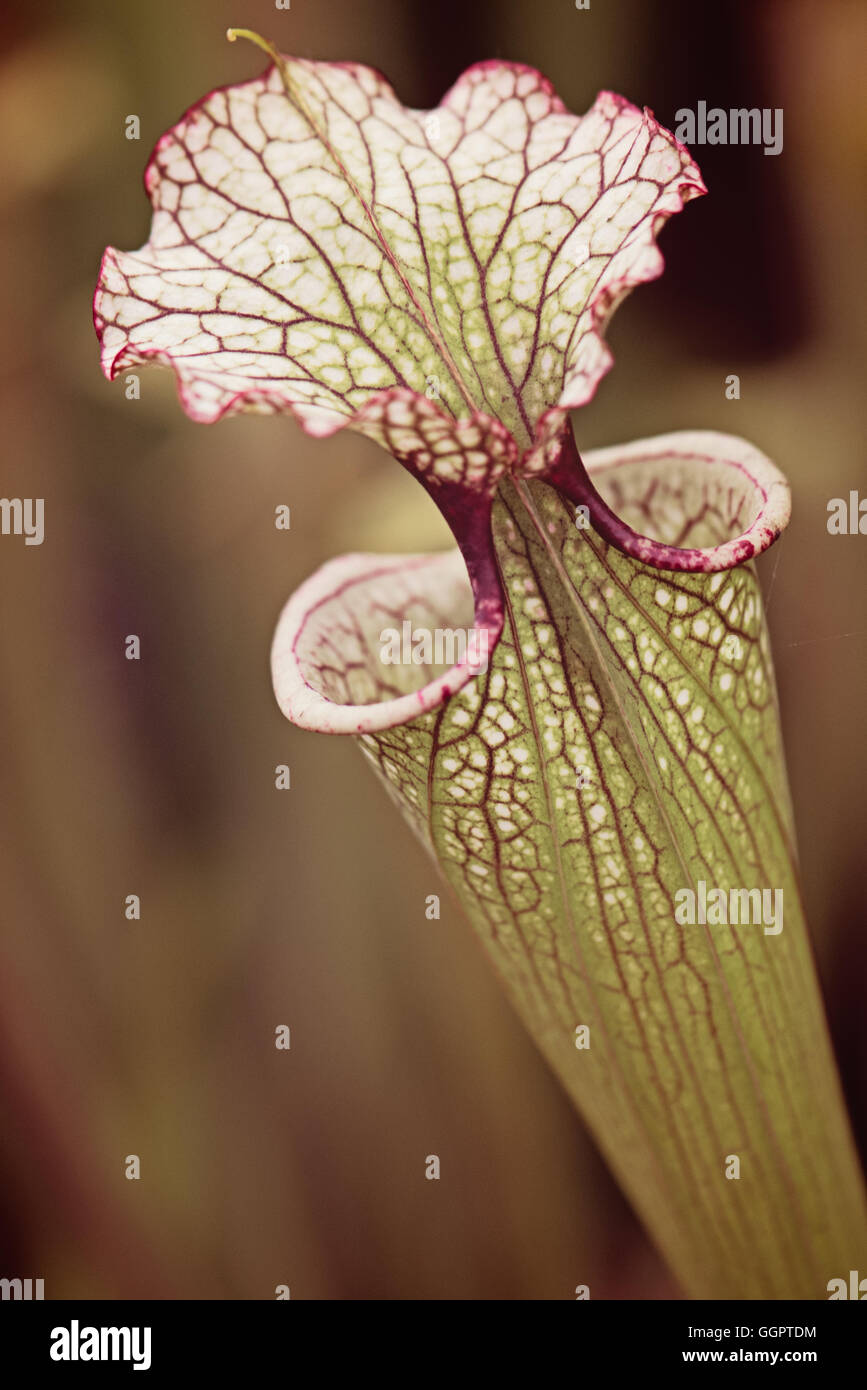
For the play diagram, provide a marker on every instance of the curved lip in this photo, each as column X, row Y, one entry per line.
column 699, row 447
column 309, row 709
column 320, row 419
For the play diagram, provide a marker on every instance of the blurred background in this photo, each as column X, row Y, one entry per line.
column 305, row 907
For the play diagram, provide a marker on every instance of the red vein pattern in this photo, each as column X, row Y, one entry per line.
column 623, row 744
column 441, row 281
column 334, row 255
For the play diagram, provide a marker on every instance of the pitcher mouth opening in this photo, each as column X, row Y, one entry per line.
column 370, row 642
column 724, row 501
column 365, row 643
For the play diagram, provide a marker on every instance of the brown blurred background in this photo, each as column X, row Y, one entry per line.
column 306, row 907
